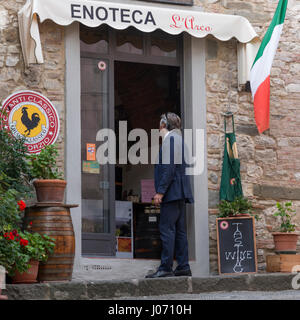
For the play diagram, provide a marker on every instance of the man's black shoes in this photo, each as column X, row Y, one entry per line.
column 160, row 274
column 187, row 273
column 163, row 274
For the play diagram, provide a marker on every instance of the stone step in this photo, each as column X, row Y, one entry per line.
column 105, row 289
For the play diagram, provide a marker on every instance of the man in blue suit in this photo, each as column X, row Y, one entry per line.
column 173, row 190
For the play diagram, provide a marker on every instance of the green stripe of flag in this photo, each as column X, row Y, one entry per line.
column 277, row 20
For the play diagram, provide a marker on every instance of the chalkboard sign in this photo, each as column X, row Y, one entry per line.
column 236, row 245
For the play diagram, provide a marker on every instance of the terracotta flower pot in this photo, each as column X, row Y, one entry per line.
column 50, row 190
column 285, row 241
column 29, row 276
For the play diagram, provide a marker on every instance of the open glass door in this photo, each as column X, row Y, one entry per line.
column 98, row 230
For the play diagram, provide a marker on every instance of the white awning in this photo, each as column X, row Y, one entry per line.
column 120, row 15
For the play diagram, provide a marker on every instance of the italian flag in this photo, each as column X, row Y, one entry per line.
column 261, row 68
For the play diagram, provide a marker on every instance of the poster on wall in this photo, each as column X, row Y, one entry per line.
column 30, row 115
column 147, row 190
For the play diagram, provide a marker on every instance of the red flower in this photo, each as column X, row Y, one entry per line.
column 22, row 205
column 11, row 236
column 30, row 223
column 23, row 242
column 5, row 235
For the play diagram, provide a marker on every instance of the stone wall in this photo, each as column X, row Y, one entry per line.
column 47, row 78
column 270, row 162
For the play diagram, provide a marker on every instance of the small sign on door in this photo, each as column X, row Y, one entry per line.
column 90, row 167
column 90, row 152
column 102, row 65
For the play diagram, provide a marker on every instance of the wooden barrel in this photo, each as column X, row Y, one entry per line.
column 56, row 222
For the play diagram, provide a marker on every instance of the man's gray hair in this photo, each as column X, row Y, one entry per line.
column 171, row 121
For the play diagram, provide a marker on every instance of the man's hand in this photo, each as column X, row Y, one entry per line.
column 158, row 199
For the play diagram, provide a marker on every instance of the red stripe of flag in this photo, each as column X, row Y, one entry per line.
column 262, row 106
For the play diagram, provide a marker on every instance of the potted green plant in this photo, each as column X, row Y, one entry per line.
column 12, row 257
column 37, row 247
column 14, row 185
column 20, row 251
column 285, row 237
column 239, row 207
column 47, row 179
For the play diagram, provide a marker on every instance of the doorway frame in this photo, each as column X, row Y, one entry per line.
column 194, row 88
column 112, row 56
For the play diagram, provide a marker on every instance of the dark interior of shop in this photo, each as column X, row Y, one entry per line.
column 147, row 83
column 143, row 92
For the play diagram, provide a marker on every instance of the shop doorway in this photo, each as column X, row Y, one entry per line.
column 143, row 92
column 125, row 76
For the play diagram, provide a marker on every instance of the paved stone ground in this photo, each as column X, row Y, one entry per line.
column 234, row 295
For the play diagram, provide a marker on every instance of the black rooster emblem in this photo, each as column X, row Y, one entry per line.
column 29, row 123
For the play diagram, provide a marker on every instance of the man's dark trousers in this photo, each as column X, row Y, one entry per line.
column 173, row 235
column 171, row 180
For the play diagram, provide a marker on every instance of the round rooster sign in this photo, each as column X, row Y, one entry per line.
column 30, row 115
